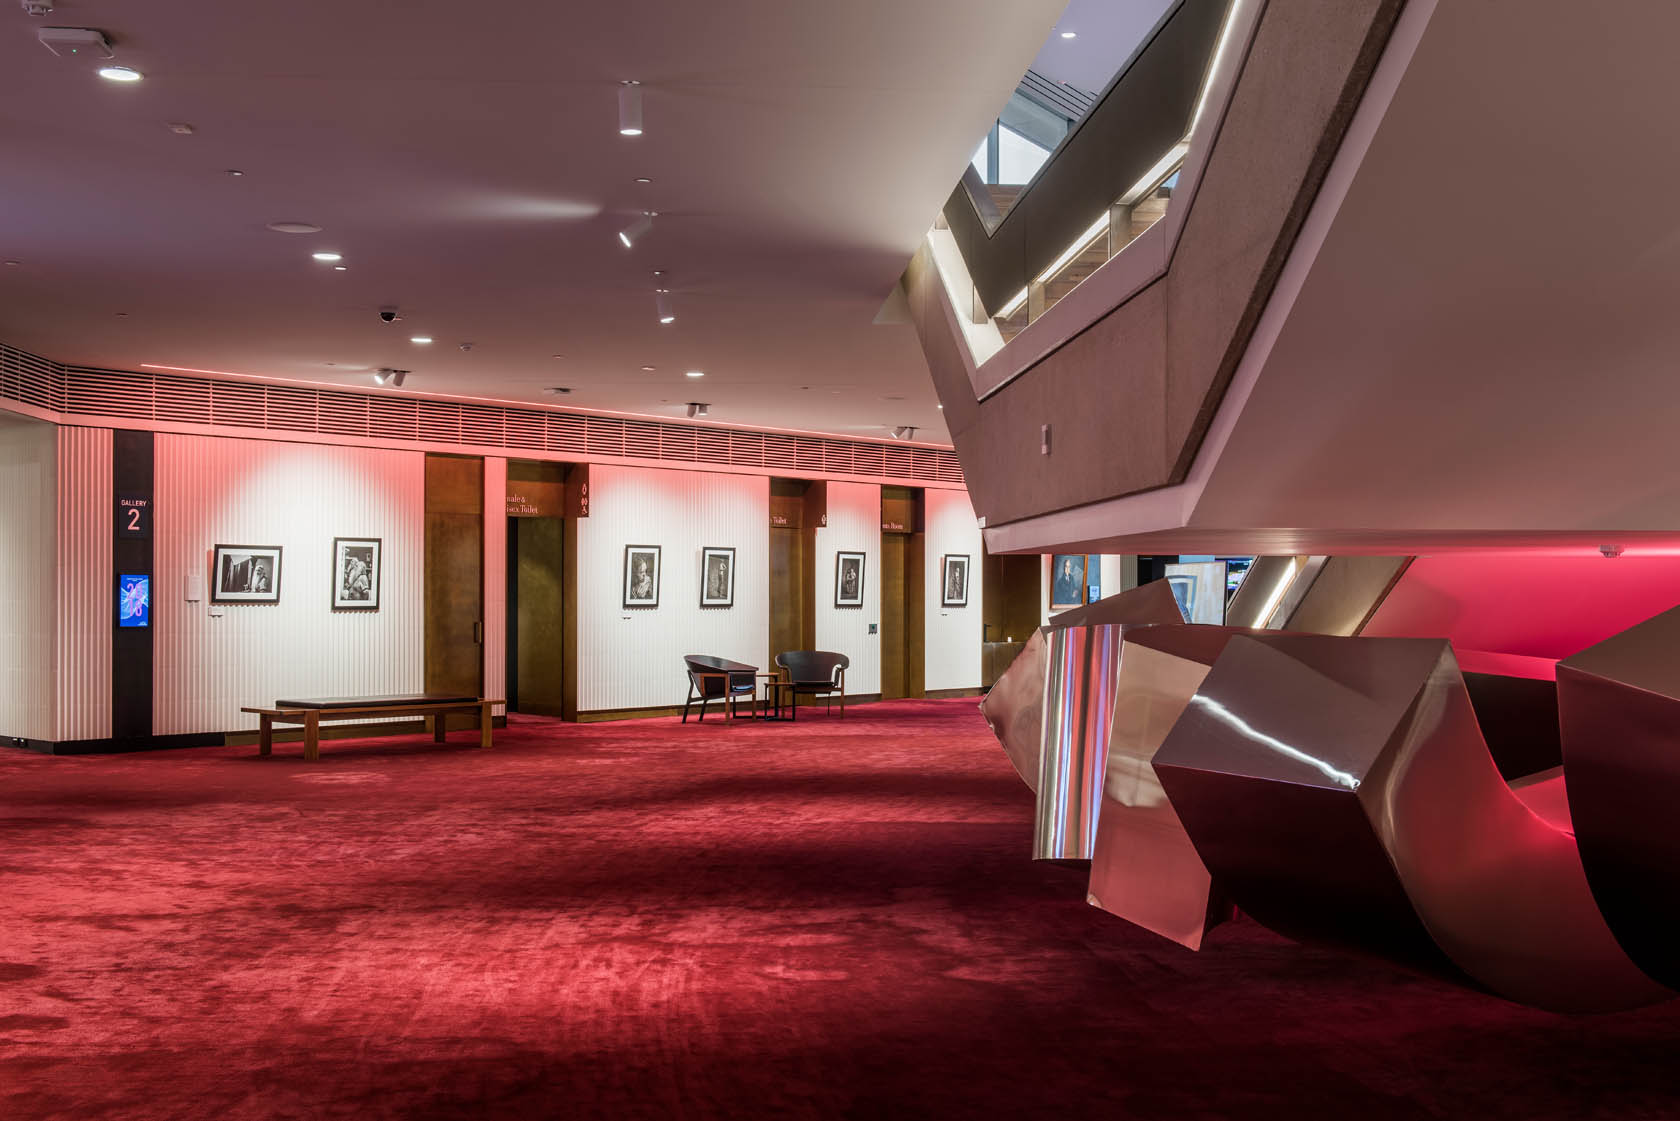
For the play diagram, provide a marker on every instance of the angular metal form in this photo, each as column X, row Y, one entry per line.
column 1014, row 708
column 1339, row 789
column 1619, row 711
column 1144, row 868
column 1081, row 664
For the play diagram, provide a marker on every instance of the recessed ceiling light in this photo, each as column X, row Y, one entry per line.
column 294, row 227
column 120, row 74
column 328, row 256
column 697, row 373
column 557, row 356
column 645, row 369
column 235, row 172
column 1070, row 34
column 421, row 340
column 341, row 268
column 13, row 264
column 181, row 128
column 643, row 179
column 940, row 407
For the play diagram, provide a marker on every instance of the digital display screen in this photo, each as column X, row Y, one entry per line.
column 134, row 601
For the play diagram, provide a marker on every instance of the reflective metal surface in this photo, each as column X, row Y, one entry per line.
column 1619, row 710
column 1080, row 668
column 1340, row 789
column 1144, row 867
column 1014, row 708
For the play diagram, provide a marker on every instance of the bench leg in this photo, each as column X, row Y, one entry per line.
column 265, row 737
column 440, row 725
column 312, row 737
column 486, row 721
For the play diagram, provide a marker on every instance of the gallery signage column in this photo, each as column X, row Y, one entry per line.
column 133, row 594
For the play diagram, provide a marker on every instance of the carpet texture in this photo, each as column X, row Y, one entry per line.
column 646, row 919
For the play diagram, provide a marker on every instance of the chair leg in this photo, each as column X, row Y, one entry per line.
column 687, row 702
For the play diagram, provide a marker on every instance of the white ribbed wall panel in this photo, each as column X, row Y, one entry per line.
column 86, row 583
column 495, row 579
column 211, row 490
column 28, row 495
column 952, row 650
column 633, row 659
column 854, row 525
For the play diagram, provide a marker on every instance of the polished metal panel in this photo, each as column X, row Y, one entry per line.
column 1144, row 867
column 1619, row 711
column 1014, row 708
column 1080, row 668
column 1340, row 789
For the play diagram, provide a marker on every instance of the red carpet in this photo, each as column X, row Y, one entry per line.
column 828, row 919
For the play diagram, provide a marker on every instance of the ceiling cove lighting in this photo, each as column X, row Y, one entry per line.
column 638, row 229
column 120, row 74
column 328, row 258
column 630, row 109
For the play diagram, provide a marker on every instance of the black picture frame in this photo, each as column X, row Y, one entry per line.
column 641, row 576
column 953, row 565
column 717, row 576
column 234, row 569
column 849, row 577
column 357, row 563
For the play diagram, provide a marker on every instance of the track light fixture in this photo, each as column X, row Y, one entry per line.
column 640, row 228
column 630, row 109
column 388, row 376
column 904, row 432
column 698, row 408
column 662, row 299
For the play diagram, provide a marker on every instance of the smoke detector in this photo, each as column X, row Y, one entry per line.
column 75, row 42
column 1610, row 552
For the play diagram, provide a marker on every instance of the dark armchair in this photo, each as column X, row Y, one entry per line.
column 816, row 673
column 719, row 679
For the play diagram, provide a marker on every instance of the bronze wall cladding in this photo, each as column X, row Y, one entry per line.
column 1130, row 397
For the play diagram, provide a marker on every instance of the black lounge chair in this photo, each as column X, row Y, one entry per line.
column 719, row 679
column 816, row 673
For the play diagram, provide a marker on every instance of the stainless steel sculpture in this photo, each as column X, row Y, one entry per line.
column 1014, row 708
column 1144, row 867
column 1340, row 789
column 1619, row 710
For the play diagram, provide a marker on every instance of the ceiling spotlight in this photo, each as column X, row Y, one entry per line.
column 698, row 408
column 388, row 376
column 235, row 172
column 1070, row 34
column 697, row 373
column 630, row 109
column 639, row 228
column 558, row 390
column 327, row 257
column 904, row 432
column 466, row 346
column 421, row 340
column 37, row 7
column 941, row 408
column 662, row 299
column 120, row 74
column 181, row 128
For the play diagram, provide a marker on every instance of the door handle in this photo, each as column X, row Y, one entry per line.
column 478, row 632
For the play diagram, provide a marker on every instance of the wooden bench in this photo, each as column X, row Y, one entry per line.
column 312, row 711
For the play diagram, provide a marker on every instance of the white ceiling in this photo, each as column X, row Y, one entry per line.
column 466, row 161
column 1106, row 32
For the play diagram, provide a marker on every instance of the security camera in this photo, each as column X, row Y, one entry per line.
column 389, row 314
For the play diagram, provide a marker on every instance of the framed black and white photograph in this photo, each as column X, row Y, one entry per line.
column 717, row 577
column 356, row 573
column 848, row 579
column 245, row 574
column 641, row 575
column 954, row 580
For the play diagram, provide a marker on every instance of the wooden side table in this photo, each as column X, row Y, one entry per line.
column 776, row 693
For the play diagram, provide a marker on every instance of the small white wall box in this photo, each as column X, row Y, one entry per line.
column 75, row 42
